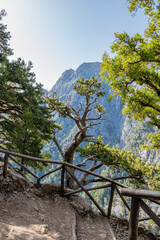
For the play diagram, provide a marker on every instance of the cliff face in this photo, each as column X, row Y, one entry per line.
column 116, row 129
column 110, row 128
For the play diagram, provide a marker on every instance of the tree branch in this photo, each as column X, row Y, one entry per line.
column 57, row 144
column 84, row 175
column 94, row 119
column 85, row 160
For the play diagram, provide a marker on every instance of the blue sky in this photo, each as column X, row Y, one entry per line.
column 60, row 34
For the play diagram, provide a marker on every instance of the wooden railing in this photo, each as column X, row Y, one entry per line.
column 137, row 195
column 114, row 185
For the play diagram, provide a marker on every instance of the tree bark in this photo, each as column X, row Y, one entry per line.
column 68, row 157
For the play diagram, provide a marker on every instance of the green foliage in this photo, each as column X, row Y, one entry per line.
column 154, row 142
column 133, row 72
column 25, row 120
column 134, row 5
column 58, row 106
column 4, row 36
column 121, row 160
column 89, row 87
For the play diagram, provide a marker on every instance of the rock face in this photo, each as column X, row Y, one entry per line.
column 110, row 128
column 113, row 123
column 116, row 129
column 14, row 181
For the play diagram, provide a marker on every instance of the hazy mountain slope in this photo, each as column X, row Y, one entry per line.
column 111, row 127
column 115, row 129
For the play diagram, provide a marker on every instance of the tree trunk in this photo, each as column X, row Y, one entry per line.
column 68, row 157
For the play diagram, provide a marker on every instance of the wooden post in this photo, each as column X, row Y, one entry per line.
column 111, row 200
column 5, row 165
column 38, row 183
column 22, row 162
column 133, row 222
column 62, row 180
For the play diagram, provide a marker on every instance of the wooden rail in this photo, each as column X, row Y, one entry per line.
column 64, row 167
column 114, row 185
column 137, row 195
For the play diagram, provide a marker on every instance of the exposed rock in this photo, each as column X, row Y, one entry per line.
column 120, row 228
column 14, row 181
column 53, row 217
column 96, row 228
column 29, row 213
column 49, row 188
column 80, row 205
column 118, row 128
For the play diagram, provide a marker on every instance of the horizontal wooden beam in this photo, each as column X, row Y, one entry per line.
column 30, row 158
column 155, row 201
column 108, row 179
column 147, row 218
column 65, row 164
column 21, row 165
column 52, row 171
column 88, row 189
column 140, row 193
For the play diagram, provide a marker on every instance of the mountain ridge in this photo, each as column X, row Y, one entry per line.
column 116, row 129
column 64, row 88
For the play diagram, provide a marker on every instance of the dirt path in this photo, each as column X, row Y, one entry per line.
column 28, row 213
column 26, row 216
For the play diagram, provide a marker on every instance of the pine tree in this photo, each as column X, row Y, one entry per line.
column 25, row 119
column 133, row 72
column 90, row 90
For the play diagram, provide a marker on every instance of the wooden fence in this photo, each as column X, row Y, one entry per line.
column 113, row 184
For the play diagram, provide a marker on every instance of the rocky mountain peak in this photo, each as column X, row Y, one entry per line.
column 115, row 129
column 88, row 69
column 113, row 111
column 67, row 73
column 69, row 77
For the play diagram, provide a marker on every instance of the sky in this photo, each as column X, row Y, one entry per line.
column 57, row 35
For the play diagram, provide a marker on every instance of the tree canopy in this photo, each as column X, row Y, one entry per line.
column 133, row 71
column 5, row 36
column 25, row 119
column 134, row 5
column 145, row 175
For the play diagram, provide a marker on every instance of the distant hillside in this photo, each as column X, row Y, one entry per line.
column 111, row 128
column 115, row 129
